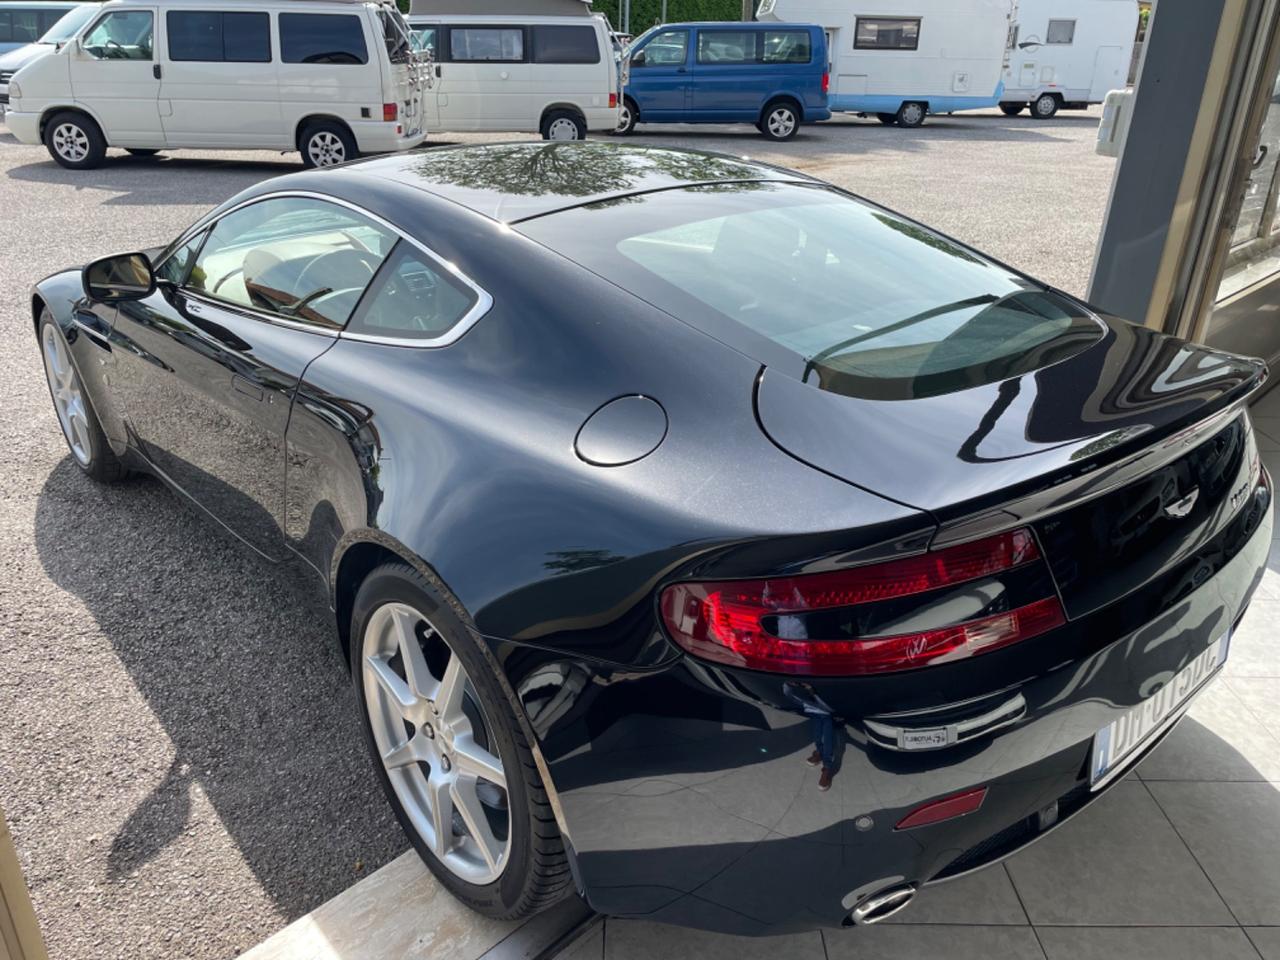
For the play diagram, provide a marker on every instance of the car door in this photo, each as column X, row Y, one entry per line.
column 728, row 82
column 114, row 72
column 483, row 79
column 208, row 365
column 661, row 83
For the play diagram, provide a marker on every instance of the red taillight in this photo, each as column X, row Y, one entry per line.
column 613, row 101
column 945, row 809
column 760, row 624
column 390, row 111
column 826, row 82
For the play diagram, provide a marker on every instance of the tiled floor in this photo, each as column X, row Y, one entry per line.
column 1181, row 860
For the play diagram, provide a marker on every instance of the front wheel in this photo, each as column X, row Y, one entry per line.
column 326, row 144
column 563, row 125
column 911, row 114
column 74, row 141
column 626, row 119
column 449, row 750
column 780, row 121
column 80, row 426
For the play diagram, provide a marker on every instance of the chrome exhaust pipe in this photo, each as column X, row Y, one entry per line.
column 882, row 905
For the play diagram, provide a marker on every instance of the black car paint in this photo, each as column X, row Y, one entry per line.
column 678, row 784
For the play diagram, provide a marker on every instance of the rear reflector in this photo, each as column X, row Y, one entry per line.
column 947, row 808
column 613, row 101
column 390, row 111
column 761, row 624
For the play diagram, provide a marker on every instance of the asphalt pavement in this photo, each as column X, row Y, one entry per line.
column 180, row 761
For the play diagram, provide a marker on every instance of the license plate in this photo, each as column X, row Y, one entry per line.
column 1115, row 743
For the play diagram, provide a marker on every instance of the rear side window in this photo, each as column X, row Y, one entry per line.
column 219, row 37
column 556, row 44
column 413, row 298
column 484, row 44
column 322, row 38
column 887, row 33
column 727, row 46
column 786, row 46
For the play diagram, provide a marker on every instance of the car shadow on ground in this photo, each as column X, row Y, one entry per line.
column 239, row 662
column 134, row 181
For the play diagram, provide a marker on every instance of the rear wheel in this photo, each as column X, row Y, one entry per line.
column 1012, row 109
column 780, row 120
column 888, row 119
column 563, row 125
column 80, row 426
column 449, row 750
column 74, row 141
column 911, row 114
column 326, row 143
column 1045, row 106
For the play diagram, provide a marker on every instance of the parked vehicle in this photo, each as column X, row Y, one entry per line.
column 774, row 76
column 554, row 75
column 901, row 60
column 63, row 30
column 26, row 21
column 631, row 474
column 1066, row 56
column 329, row 78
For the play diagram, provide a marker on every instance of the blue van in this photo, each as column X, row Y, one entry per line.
column 771, row 74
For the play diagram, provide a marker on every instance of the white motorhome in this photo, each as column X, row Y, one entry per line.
column 1068, row 54
column 329, row 78
column 903, row 59
column 535, row 66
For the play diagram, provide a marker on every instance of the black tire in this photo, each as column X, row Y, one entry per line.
column 911, row 113
column 556, row 124
column 140, row 152
column 1012, row 109
column 888, row 119
column 1045, row 106
column 779, row 120
column 326, row 143
column 74, row 140
column 628, row 117
column 537, row 872
column 102, row 464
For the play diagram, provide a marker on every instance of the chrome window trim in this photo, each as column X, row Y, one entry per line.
column 483, row 304
column 255, row 314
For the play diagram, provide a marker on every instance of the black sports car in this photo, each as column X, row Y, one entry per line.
column 701, row 537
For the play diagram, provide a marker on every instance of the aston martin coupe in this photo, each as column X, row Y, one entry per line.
column 701, row 537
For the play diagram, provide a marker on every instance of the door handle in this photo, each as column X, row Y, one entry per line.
column 681, row 70
column 155, row 70
column 247, row 387
column 437, row 70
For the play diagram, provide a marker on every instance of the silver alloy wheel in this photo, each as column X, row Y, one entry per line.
column 1045, row 105
column 912, row 114
column 68, row 398
column 624, row 119
column 562, row 128
column 71, row 142
column 326, row 148
column 436, row 743
column 782, row 120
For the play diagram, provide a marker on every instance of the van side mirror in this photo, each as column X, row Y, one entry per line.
column 637, row 58
column 114, row 279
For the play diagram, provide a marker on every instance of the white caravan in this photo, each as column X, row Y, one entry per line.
column 1068, row 54
column 519, row 71
column 329, row 78
column 903, row 59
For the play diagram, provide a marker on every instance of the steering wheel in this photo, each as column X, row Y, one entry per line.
column 110, row 44
column 340, row 269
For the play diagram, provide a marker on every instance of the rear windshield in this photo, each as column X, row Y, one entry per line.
column 838, row 292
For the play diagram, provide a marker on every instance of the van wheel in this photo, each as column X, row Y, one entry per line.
column 888, row 119
column 1044, row 106
column 325, row 143
column 74, row 141
column 911, row 114
column 779, row 120
column 138, row 152
column 1011, row 109
column 563, row 125
column 626, row 118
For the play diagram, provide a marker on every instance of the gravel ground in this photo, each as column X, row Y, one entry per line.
column 181, row 765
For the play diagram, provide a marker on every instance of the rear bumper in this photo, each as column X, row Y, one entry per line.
column 686, row 799
column 601, row 119
column 377, row 136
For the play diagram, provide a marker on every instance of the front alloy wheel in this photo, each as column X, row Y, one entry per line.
column 68, row 398
column 435, row 743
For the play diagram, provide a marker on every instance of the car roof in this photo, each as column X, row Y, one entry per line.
column 509, row 182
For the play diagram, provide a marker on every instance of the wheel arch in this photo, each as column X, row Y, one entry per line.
column 71, row 106
column 778, row 97
column 311, row 118
column 561, row 105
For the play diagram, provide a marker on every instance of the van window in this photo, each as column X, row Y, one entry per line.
column 786, row 46
column 1061, row 31
column 120, row 35
column 727, row 46
column 887, row 33
column 414, row 299
column 396, row 35
column 27, row 25
column 322, row 38
column 219, row 37
column 666, row 49
column 565, row 45
column 303, row 260
column 505, row 44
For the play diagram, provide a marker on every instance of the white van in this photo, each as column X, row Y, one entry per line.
column 1068, row 54
column 901, row 60
column 554, row 75
column 329, row 78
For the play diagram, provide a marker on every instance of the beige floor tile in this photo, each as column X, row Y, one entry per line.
column 932, row 942
column 1266, row 940
column 1219, row 739
column 1255, row 645
column 1146, row 943
column 1262, row 696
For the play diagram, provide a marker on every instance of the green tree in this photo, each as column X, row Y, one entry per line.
column 645, row 13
